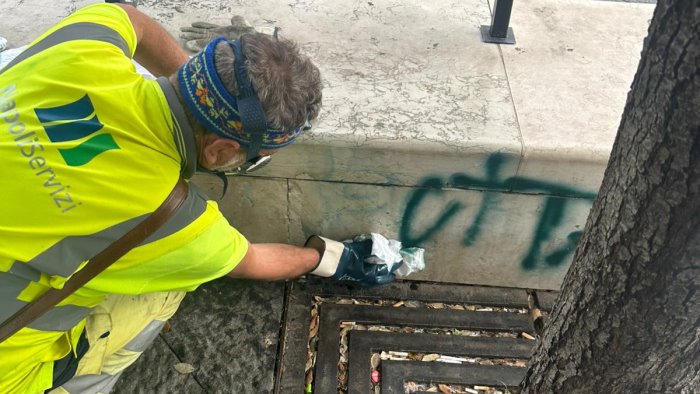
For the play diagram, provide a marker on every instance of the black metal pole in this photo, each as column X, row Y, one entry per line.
column 499, row 32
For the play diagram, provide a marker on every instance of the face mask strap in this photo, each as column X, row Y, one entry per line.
column 219, row 174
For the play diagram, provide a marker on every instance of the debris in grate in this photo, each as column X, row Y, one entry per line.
column 346, row 327
column 421, row 388
column 536, row 313
column 353, row 335
column 475, row 377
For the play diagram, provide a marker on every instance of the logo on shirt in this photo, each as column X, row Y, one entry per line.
column 72, row 122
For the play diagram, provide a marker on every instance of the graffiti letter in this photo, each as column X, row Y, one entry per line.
column 428, row 186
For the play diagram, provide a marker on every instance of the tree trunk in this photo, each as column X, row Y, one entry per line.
column 628, row 317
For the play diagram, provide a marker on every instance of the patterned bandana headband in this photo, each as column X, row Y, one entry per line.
column 215, row 108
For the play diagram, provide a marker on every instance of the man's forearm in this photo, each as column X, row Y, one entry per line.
column 275, row 262
column 156, row 49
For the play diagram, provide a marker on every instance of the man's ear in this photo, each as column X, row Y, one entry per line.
column 218, row 150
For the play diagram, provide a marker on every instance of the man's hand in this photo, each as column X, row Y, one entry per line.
column 200, row 33
column 347, row 262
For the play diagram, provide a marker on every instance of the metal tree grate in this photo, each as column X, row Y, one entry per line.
column 485, row 333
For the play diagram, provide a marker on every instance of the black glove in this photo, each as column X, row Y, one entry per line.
column 346, row 261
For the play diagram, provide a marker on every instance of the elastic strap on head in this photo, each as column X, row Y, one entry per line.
column 249, row 107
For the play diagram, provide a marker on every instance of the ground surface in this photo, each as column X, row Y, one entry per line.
column 227, row 330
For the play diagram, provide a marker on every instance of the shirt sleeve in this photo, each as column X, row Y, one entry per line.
column 211, row 255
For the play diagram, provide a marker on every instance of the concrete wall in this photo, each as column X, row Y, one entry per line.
column 516, row 231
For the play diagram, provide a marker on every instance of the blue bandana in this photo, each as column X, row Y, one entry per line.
column 215, row 108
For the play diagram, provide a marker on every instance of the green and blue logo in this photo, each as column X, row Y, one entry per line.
column 72, row 122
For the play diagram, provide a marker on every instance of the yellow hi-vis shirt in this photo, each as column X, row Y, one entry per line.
column 88, row 149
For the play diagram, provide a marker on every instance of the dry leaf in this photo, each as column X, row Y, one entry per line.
column 398, row 304
column 431, row 357
column 527, row 336
column 415, row 356
column 375, row 360
column 313, row 327
column 183, row 368
column 436, row 305
column 346, row 324
column 444, row 389
column 310, row 362
column 411, row 387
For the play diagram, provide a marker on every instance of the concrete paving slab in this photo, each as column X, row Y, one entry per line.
column 154, row 373
column 229, row 331
column 569, row 74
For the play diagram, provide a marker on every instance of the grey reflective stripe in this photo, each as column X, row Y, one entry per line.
column 182, row 131
column 64, row 257
column 144, row 339
column 13, row 282
column 75, row 31
column 23, row 270
column 10, row 288
column 60, row 318
column 91, row 384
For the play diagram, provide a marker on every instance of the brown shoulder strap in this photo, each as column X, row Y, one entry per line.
column 97, row 264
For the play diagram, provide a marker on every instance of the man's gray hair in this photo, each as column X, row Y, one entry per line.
column 286, row 82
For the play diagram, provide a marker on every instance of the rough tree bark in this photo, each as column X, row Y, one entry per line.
column 628, row 317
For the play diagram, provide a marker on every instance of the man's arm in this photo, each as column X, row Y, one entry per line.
column 156, row 49
column 275, row 262
column 344, row 261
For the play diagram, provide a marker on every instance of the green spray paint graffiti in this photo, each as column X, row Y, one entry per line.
column 555, row 196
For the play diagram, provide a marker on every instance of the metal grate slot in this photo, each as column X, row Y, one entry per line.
column 395, row 373
column 364, row 343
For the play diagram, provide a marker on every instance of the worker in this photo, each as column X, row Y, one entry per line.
column 89, row 148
